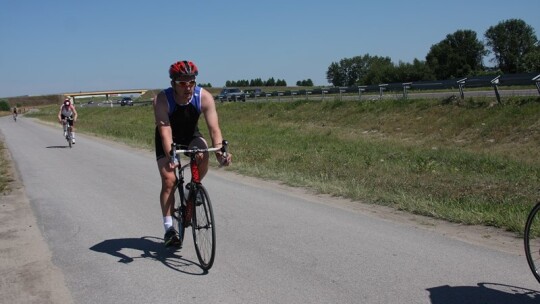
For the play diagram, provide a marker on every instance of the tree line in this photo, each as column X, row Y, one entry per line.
column 258, row 82
column 271, row 82
column 512, row 42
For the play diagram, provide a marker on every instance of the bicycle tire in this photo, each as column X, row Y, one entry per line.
column 178, row 213
column 68, row 137
column 532, row 241
column 67, row 127
column 203, row 228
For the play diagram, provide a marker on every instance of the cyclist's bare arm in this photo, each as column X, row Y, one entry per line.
column 60, row 115
column 208, row 107
column 161, row 116
column 75, row 115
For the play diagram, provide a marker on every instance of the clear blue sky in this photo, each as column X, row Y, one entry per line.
column 49, row 47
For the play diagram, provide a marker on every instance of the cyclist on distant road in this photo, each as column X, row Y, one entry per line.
column 15, row 113
column 177, row 110
column 68, row 112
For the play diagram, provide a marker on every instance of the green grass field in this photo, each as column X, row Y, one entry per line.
column 469, row 163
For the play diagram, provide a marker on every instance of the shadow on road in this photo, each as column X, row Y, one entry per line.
column 149, row 248
column 492, row 293
column 57, row 147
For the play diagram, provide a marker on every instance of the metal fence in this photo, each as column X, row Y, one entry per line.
column 403, row 89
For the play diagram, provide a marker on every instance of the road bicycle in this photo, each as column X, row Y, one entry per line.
column 532, row 240
column 195, row 208
column 15, row 117
column 67, row 131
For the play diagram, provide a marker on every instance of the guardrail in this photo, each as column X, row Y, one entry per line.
column 458, row 83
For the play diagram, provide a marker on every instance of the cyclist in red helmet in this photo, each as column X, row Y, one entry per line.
column 177, row 110
column 68, row 112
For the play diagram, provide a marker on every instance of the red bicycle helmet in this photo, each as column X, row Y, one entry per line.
column 183, row 68
column 67, row 102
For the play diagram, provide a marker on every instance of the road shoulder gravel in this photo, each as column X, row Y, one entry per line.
column 27, row 273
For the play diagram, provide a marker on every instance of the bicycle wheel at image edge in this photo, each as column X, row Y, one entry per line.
column 204, row 232
column 177, row 215
column 532, row 241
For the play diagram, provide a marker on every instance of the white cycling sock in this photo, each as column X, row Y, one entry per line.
column 167, row 222
column 72, row 134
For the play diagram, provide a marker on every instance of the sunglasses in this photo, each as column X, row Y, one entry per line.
column 185, row 83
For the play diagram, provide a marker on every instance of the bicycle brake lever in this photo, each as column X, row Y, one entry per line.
column 224, row 152
column 224, row 145
column 173, row 157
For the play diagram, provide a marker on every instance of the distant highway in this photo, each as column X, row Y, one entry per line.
column 364, row 96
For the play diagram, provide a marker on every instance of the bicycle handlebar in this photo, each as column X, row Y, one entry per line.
column 176, row 148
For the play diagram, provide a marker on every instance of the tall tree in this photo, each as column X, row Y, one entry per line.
column 271, row 82
column 407, row 72
column 356, row 70
column 379, row 70
column 335, row 75
column 459, row 54
column 531, row 60
column 510, row 40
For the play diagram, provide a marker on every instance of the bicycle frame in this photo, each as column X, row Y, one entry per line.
column 195, row 210
column 194, row 167
column 67, row 130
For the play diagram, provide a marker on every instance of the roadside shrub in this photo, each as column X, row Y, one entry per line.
column 4, row 105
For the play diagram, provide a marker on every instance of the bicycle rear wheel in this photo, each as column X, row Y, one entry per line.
column 532, row 241
column 178, row 213
column 204, row 232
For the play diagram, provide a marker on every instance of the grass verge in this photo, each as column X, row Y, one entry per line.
column 467, row 162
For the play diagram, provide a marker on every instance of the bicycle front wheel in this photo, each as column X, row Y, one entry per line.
column 204, row 230
column 532, row 241
column 68, row 137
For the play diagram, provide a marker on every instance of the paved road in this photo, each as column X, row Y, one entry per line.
column 96, row 207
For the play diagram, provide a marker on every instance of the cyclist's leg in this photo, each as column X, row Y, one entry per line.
column 72, row 128
column 166, row 195
column 166, row 199
column 63, row 118
column 202, row 159
column 168, row 180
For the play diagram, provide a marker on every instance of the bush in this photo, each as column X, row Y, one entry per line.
column 4, row 105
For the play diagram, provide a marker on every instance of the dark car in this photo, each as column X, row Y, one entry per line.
column 126, row 101
column 231, row 94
